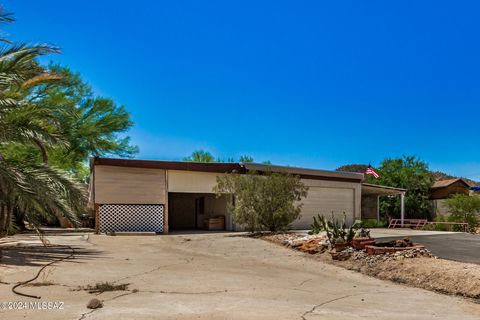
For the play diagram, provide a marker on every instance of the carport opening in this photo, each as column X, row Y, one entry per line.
column 196, row 211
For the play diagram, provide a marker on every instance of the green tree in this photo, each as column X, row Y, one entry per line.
column 246, row 159
column 262, row 202
column 90, row 125
column 464, row 208
column 409, row 173
column 200, row 156
column 35, row 189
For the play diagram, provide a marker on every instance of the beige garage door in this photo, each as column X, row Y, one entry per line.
column 324, row 201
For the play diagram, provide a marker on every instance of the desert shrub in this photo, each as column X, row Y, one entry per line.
column 106, row 286
column 464, row 208
column 337, row 231
column 270, row 201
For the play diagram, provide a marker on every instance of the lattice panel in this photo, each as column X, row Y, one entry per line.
column 131, row 217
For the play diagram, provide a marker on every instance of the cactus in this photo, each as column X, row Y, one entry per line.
column 337, row 231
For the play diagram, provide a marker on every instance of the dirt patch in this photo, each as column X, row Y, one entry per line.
column 414, row 267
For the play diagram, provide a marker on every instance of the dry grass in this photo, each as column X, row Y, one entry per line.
column 101, row 287
column 40, row 284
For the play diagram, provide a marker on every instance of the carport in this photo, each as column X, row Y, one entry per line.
column 371, row 194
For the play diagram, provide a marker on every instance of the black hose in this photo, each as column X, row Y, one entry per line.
column 38, row 274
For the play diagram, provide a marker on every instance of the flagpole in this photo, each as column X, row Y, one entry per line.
column 402, row 207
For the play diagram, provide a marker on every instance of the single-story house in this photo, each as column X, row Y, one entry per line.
column 161, row 196
column 441, row 190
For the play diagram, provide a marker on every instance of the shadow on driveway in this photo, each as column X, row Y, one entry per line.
column 463, row 247
column 37, row 255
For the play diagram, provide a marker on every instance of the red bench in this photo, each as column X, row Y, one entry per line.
column 407, row 223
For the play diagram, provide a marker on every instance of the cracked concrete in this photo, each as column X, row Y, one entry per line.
column 218, row 276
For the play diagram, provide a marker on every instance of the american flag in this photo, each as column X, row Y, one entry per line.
column 372, row 172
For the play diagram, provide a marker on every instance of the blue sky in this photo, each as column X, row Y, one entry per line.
column 301, row 83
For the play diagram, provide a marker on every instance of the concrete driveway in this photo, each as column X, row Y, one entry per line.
column 213, row 276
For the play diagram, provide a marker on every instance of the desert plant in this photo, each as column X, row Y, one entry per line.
column 106, row 286
column 464, row 208
column 317, row 226
column 337, row 231
column 362, row 232
column 270, row 201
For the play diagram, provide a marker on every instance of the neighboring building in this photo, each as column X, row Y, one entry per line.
column 443, row 189
column 475, row 190
column 159, row 196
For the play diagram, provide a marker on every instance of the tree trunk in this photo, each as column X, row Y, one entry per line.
column 3, row 218
column 8, row 219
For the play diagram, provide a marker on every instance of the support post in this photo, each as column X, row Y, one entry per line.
column 378, row 208
column 165, row 207
column 402, row 207
column 97, row 218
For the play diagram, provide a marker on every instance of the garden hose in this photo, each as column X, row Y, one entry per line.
column 39, row 272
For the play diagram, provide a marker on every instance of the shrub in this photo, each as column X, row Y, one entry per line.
column 438, row 227
column 270, row 201
column 373, row 223
column 464, row 208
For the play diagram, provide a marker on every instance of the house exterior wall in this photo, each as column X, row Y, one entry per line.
column 130, row 185
column 191, row 181
column 122, row 185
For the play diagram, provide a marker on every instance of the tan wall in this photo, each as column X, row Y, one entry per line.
column 440, row 208
column 191, row 181
column 123, row 185
column 148, row 186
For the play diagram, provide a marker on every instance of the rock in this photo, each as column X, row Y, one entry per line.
column 94, row 304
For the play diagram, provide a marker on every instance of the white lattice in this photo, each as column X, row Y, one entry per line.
column 131, row 217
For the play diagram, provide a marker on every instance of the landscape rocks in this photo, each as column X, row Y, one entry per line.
column 312, row 246
column 94, row 304
column 396, row 256
column 318, row 244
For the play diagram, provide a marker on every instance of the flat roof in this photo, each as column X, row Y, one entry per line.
column 375, row 189
column 224, row 167
column 306, row 172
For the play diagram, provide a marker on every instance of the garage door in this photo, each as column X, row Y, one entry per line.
column 324, row 201
column 131, row 218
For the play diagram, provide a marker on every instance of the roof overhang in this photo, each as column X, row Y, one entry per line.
column 220, row 167
column 446, row 183
column 307, row 173
column 224, row 167
column 373, row 189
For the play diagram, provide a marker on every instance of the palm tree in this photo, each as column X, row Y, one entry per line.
column 33, row 189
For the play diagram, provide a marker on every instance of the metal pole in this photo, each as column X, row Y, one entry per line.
column 402, row 208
